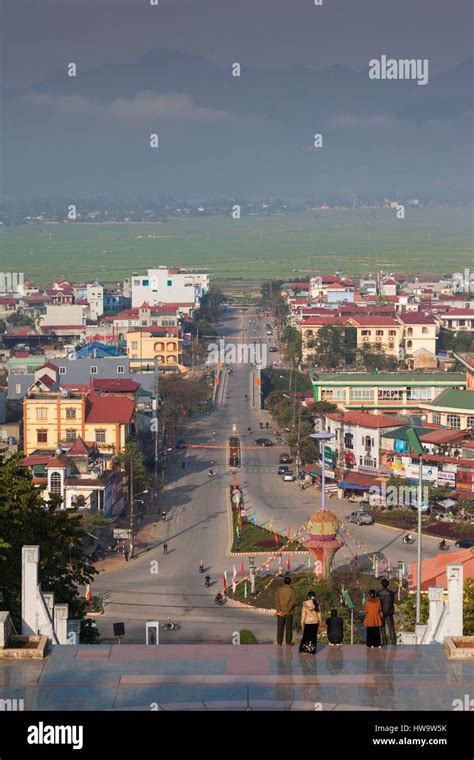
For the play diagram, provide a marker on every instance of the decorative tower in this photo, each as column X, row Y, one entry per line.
column 322, row 541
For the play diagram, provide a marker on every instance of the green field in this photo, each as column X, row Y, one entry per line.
column 354, row 241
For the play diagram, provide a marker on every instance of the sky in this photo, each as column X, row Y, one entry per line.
column 166, row 69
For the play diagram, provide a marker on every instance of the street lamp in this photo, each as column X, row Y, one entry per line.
column 323, row 437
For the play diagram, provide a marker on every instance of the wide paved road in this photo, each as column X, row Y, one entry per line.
column 197, row 525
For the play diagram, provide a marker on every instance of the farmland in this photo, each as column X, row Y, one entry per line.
column 355, row 241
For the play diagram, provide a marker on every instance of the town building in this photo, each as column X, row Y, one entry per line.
column 163, row 344
column 169, row 285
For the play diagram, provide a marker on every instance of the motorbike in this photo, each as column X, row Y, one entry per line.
column 211, row 473
column 201, row 567
column 207, row 582
column 220, row 600
column 163, row 516
column 443, row 547
column 170, row 627
column 408, row 540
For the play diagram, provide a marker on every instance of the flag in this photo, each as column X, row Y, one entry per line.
column 245, row 590
column 356, row 560
column 242, row 570
column 254, row 517
column 88, row 593
column 225, row 577
column 363, row 599
column 237, row 531
column 373, row 562
column 288, row 564
column 289, row 531
column 234, row 587
column 276, row 538
column 224, row 581
column 234, row 572
column 309, row 560
column 270, row 525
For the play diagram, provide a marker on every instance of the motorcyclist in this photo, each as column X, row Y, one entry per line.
column 201, row 566
column 210, row 472
column 207, row 580
column 219, row 598
column 442, row 544
column 163, row 516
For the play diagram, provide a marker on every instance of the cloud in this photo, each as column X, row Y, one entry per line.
column 145, row 106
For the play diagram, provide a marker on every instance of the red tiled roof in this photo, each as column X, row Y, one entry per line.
column 415, row 318
column 46, row 380
column 364, row 419
column 79, row 447
column 114, row 409
column 121, row 385
column 458, row 313
column 34, row 459
column 443, row 436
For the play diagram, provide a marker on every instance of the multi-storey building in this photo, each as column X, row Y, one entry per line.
column 169, row 285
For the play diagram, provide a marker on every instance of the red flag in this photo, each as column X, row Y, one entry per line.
column 88, row 593
column 356, row 561
column 242, row 570
column 276, row 538
column 224, row 581
column 288, row 564
column 289, row 531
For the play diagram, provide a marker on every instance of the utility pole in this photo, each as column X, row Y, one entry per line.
column 155, row 419
column 132, row 510
column 418, row 555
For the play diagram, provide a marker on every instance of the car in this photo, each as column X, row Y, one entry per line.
column 264, row 442
column 289, row 476
column 283, row 468
column 285, row 459
column 361, row 518
column 180, row 444
column 465, row 543
column 272, row 349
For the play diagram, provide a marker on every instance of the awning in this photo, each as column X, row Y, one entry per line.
column 353, row 486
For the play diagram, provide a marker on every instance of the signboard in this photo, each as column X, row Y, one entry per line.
column 413, row 471
column 446, row 478
column 327, row 457
column 121, row 533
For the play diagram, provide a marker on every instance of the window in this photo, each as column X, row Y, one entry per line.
column 424, row 330
column 436, row 418
column 62, row 370
column 41, row 414
column 409, row 344
column 136, row 283
column 144, row 322
column 419, row 394
column 134, row 344
column 337, row 394
column 365, row 332
column 361, row 394
column 392, row 332
column 390, row 394
column 379, row 332
column 55, row 483
column 100, row 436
column 470, row 422
column 454, row 421
column 169, row 283
column 17, row 389
column 145, row 283
column 369, row 462
column 42, row 436
column 70, row 414
column 71, row 436
column 120, row 369
column 93, row 370
column 348, row 440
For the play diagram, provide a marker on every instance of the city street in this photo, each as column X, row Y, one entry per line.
column 197, row 525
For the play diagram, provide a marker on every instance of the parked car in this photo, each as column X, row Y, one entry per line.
column 272, row 349
column 285, row 459
column 283, row 468
column 465, row 543
column 264, row 442
column 289, row 476
column 180, row 444
column 361, row 518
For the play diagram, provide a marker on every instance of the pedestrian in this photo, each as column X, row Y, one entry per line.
column 183, row 464
column 387, row 603
column 285, row 600
column 335, row 629
column 373, row 620
column 165, row 548
column 266, row 425
column 310, row 620
column 125, row 554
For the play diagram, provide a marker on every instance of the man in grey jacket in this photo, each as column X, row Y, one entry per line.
column 387, row 603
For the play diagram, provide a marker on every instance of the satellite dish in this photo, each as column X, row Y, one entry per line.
column 58, row 452
column 64, row 393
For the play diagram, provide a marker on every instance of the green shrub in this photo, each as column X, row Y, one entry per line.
column 247, row 637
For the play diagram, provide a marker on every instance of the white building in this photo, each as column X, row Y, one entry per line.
column 169, row 285
column 95, row 298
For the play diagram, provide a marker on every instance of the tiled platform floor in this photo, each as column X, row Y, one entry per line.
column 198, row 677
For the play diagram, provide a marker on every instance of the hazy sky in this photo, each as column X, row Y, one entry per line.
column 220, row 136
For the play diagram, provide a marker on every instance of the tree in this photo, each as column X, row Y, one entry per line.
column 460, row 342
column 26, row 518
column 3, row 326
column 468, row 607
column 292, row 338
column 211, row 304
column 132, row 457
column 330, row 346
column 373, row 357
column 19, row 320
